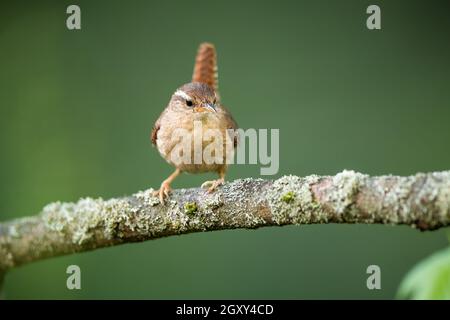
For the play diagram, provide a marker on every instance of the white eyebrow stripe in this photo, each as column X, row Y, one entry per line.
column 182, row 94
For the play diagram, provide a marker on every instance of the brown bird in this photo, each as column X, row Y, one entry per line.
column 195, row 103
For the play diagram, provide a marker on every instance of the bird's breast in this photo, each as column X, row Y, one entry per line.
column 190, row 137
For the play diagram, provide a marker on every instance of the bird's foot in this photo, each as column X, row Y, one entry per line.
column 163, row 192
column 212, row 185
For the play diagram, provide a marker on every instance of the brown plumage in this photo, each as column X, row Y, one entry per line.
column 195, row 102
column 205, row 69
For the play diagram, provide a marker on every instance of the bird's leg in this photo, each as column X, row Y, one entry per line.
column 165, row 189
column 212, row 185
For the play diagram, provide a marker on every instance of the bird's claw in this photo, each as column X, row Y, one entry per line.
column 212, row 185
column 163, row 192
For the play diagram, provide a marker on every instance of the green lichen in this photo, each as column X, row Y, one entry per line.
column 288, row 197
column 190, row 208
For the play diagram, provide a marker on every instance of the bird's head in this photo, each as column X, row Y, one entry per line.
column 195, row 97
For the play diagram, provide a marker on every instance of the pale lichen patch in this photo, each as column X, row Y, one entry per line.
column 397, row 208
column 121, row 218
column 70, row 218
column 241, row 197
column 80, row 220
column 213, row 202
column 341, row 195
column 147, row 197
column 88, row 214
column 301, row 207
column 6, row 258
column 12, row 232
column 208, row 210
column 443, row 197
column 57, row 216
column 433, row 200
column 174, row 217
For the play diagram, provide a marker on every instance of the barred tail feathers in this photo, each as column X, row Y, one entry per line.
column 205, row 69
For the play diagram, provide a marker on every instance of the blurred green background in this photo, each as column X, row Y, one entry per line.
column 77, row 108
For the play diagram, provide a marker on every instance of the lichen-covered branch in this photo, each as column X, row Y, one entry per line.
column 421, row 201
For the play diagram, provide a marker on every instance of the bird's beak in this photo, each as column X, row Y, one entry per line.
column 205, row 107
column 210, row 107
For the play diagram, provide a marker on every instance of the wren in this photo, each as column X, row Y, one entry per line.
column 195, row 101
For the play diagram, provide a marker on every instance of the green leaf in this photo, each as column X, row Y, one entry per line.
column 430, row 279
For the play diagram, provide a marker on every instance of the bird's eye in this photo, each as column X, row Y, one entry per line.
column 189, row 103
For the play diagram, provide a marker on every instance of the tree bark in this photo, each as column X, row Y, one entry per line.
column 421, row 201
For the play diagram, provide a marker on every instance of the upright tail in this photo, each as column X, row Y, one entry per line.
column 205, row 69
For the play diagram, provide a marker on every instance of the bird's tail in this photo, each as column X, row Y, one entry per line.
column 205, row 69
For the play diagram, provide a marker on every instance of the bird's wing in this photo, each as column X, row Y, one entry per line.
column 205, row 68
column 155, row 129
column 154, row 133
column 230, row 123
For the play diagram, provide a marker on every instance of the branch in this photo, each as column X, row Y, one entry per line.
column 421, row 201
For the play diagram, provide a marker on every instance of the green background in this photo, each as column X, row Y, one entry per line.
column 77, row 108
